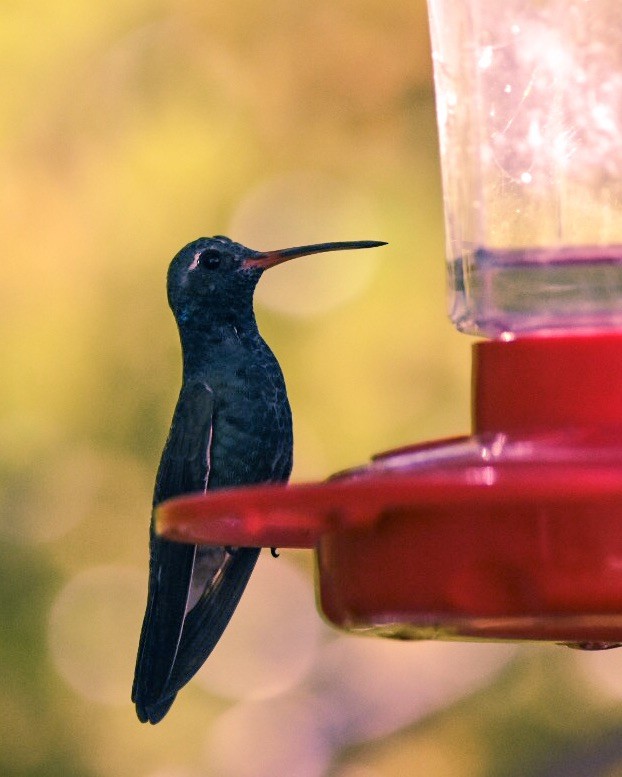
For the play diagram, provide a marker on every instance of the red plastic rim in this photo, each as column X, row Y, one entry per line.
column 297, row 516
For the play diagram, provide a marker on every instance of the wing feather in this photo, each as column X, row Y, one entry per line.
column 184, row 468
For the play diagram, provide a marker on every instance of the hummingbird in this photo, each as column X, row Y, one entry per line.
column 232, row 426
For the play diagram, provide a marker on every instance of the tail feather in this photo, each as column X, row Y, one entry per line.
column 206, row 622
column 202, row 628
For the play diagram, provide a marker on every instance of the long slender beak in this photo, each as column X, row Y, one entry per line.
column 268, row 259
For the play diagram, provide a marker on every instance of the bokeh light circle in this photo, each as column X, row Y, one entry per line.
column 264, row 739
column 372, row 687
column 301, row 208
column 93, row 631
column 272, row 639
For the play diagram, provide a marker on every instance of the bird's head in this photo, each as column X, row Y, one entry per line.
column 214, row 278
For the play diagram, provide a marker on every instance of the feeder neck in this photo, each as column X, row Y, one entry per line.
column 535, row 384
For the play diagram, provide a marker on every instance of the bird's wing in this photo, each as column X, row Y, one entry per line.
column 184, row 468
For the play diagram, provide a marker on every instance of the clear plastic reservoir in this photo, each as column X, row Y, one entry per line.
column 529, row 103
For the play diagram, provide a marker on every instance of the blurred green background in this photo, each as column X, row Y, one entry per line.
column 129, row 129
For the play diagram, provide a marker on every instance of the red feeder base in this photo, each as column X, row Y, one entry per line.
column 514, row 533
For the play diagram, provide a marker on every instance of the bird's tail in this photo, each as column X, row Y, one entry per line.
column 203, row 626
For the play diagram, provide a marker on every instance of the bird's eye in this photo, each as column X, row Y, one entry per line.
column 209, row 259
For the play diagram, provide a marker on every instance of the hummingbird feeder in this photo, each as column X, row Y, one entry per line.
column 514, row 532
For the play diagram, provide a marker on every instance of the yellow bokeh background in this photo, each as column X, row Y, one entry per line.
column 127, row 130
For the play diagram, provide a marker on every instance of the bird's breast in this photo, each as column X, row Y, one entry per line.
column 252, row 428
